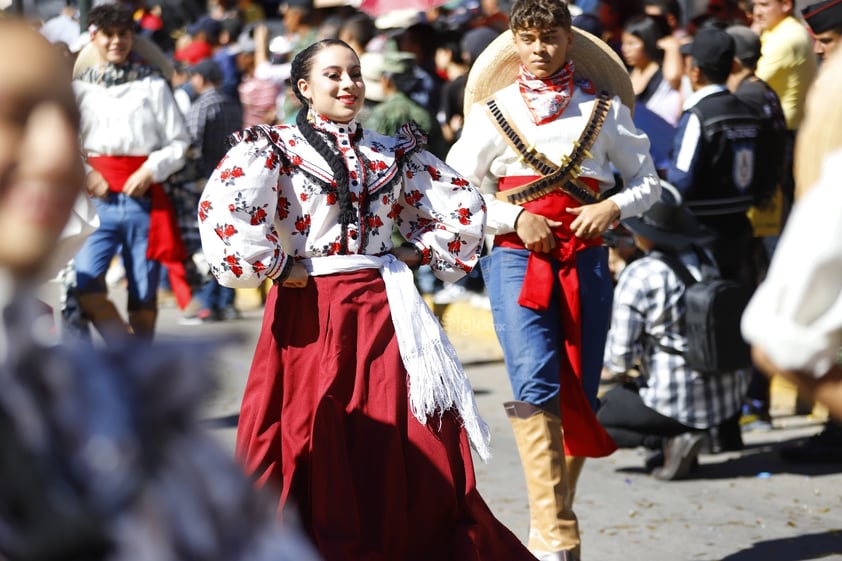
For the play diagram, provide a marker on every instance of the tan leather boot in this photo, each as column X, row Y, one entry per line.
column 553, row 528
column 574, row 465
column 101, row 312
column 143, row 323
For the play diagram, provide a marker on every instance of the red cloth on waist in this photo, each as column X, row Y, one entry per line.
column 583, row 433
column 165, row 242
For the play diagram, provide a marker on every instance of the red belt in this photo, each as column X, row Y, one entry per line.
column 583, row 434
column 165, row 243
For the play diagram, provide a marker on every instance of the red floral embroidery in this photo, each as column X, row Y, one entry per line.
column 225, row 231
column 283, row 208
column 302, row 225
column 229, row 175
column 331, row 198
column 258, row 216
column 395, row 211
column 461, row 182
column 232, row 263
column 272, row 160
column 414, row 197
column 434, row 173
column 204, row 207
column 454, row 246
column 463, row 215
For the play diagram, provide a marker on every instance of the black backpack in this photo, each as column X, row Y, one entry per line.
column 712, row 320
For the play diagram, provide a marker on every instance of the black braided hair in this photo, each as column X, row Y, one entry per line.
column 302, row 66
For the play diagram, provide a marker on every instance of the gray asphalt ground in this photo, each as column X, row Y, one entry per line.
column 739, row 506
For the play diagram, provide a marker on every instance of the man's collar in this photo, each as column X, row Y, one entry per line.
column 702, row 93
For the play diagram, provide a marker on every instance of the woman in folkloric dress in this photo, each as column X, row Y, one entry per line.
column 356, row 408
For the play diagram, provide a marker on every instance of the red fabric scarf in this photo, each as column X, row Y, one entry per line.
column 583, row 433
column 546, row 98
column 165, row 243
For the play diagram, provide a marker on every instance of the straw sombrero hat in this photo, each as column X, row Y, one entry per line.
column 498, row 65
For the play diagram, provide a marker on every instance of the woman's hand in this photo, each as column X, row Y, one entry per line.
column 297, row 278
column 409, row 255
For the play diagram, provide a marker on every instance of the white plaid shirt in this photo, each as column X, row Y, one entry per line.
column 649, row 306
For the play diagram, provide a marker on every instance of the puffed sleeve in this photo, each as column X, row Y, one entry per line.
column 442, row 213
column 237, row 213
column 472, row 155
column 628, row 151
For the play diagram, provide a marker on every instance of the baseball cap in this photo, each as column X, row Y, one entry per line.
column 207, row 69
column 211, row 27
column 713, row 49
column 746, row 44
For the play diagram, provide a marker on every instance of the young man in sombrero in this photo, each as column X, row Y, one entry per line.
column 540, row 141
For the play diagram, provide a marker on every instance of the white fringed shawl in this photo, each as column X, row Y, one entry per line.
column 437, row 382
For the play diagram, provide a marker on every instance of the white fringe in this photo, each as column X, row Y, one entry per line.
column 437, row 382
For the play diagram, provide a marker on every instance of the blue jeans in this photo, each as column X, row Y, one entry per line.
column 532, row 340
column 214, row 296
column 124, row 226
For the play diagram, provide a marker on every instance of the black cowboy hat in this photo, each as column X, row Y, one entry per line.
column 668, row 223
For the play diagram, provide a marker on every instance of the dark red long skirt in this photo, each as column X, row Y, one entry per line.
column 325, row 420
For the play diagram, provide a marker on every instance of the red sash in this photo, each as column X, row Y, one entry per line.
column 165, row 243
column 583, row 433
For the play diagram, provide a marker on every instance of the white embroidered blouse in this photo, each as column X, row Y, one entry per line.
column 273, row 197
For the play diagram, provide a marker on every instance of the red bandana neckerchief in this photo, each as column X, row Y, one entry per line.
column 546, row 98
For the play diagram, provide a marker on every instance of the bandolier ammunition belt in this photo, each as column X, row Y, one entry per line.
column 564, row 177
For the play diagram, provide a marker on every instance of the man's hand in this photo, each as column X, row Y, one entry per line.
column 138, row 183
column 592, row 220
column 536, row 231
column 297, row 278
column 96, row 184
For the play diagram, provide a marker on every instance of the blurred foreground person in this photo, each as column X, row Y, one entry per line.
column 103, row 455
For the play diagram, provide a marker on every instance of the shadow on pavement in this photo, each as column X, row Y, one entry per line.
column 799, row 548
column 761, row 460
column 755, row 460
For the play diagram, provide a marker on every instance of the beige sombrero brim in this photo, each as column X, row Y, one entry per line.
column 497, row 67
column 148, row 51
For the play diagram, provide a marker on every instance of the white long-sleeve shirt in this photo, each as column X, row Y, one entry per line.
column 137, row 118
column 483, row 156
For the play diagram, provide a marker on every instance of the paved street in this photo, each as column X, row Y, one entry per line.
column 746, row 506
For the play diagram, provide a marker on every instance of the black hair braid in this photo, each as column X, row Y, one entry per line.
column 347, row 214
